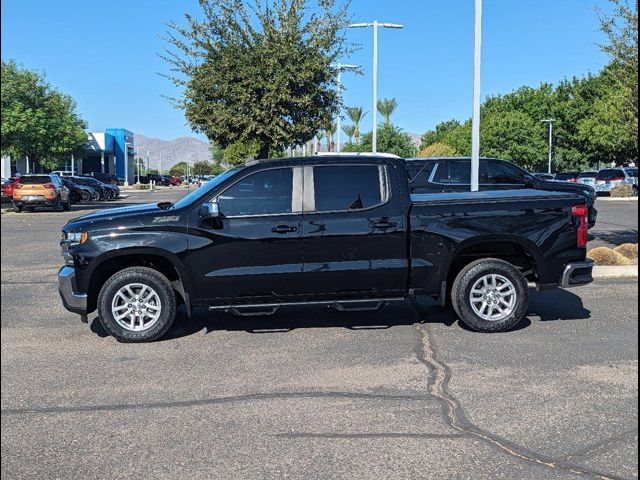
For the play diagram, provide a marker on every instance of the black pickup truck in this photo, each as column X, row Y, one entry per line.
column 336, row 231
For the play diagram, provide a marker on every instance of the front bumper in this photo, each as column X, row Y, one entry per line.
column 72, row 301
column 577, row 273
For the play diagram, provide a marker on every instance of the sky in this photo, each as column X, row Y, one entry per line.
column 105, row 54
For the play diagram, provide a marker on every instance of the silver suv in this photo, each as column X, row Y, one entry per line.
column 609, row 178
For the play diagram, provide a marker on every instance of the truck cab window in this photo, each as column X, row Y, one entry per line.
column 454, row 172
column 339, row 188
column 504, row 173
column 268, row 192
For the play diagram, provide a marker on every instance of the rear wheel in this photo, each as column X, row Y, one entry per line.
column 57, row 205
column 17, row 208
column 66, row 206
column 635, row 190
column 137, row 304
column 95, row 195
column 490, row 295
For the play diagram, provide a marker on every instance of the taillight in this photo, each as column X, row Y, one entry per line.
column 581, row 212
column 572, row 180
column 49, row 185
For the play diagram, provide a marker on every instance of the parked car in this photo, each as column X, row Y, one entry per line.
column 63, row 173
column 108, row 178
column 77, row 193
column 106, row 192
column 336, row 231
column 571, row 177
column 431, row 175
column 174, row 181
column 162, row 180
column 544, row 176
column 40, row 191
column 610, row 178
column 8, row 186
column 588, row 178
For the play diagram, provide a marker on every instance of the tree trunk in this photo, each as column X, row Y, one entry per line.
column 263, row 154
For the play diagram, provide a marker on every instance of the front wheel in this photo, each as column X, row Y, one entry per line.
column 490, row 295
column 137, row 304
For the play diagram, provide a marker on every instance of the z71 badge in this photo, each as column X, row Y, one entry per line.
column 166, row 219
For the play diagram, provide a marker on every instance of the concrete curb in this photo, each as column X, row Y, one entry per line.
column 626, row 271
column 617, row 199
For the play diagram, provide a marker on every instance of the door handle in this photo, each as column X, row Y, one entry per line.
column 384, row 225
column 282, row 229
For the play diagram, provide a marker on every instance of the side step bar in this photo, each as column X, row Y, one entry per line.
column 341, row 305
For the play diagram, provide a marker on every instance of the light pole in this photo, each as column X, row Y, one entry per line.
column 475, row 125
column 375, row 24
column 550, row 122
column 340, row 67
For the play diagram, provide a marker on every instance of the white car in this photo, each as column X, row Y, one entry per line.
column 610, row 178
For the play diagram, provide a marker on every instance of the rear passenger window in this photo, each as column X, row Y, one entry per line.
column 454, row 172
column 419, row 173
column 349, row 187
column 501, row 172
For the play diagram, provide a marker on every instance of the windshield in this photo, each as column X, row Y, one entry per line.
column 610, row 174
column 35, row 179
column 206, row 188
column 565, row 176
column 588, row 175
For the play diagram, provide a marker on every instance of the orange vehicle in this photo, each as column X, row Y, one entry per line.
column 41, row 191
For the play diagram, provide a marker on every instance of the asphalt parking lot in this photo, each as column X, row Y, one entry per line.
column 617, row 224
column 314, row 393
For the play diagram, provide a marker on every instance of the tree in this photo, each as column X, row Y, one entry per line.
column 256, row 71
column 37, row 120
column 329, row 133
column 391, row 139
column 349, row 131
column 178, row 170
column 217, row 153
column 439, row 133
column 386, row 107
column 356, row 114
column 202, row 167
column 237, row 153
column 438, row 150
column 621, row 29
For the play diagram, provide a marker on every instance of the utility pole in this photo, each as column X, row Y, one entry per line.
column 375, row 24
column 475, row 127
column 340, row 67
column 550, row 122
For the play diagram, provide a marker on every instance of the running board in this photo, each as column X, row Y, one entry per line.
column 340, row 305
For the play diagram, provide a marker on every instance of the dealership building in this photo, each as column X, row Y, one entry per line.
column 111, row 151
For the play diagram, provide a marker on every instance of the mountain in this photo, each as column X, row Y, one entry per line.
column 167, row 153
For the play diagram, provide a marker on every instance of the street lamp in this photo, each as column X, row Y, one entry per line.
column 475, row 123
column 375, row 24
column 550, row 122
column 340, row 67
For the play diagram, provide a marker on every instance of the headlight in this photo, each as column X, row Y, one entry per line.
column 75, row 238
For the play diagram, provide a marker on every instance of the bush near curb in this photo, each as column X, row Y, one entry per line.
column 140, row 186
column 604, row 256
column 628, row 250
column 622, row 191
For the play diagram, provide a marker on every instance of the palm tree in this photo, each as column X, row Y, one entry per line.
column 349, row 131
column 330, row 132
column 386, row 107
column 356, row 114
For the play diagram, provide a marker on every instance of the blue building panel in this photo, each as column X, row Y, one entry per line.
column 123, row 147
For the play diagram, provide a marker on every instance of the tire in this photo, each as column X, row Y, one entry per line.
column 74, row 197
column 136, row 277
column 635, row 191
column 95, row 195
column 57, row 206
column 66, row 206
column 86, row 196
column 17, row 208
column 511, row 308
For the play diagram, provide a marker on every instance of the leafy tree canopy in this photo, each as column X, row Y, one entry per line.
column 391, row 139
column 438, row 150
column 259, row 71
column 37, row 120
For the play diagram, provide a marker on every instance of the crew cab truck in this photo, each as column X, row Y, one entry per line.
column 322, row 231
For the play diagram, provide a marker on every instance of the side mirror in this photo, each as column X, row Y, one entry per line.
column 529, row 180
column 209, row 210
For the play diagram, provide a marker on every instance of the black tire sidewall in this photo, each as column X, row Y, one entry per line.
column 470, row 276
column 149, row 277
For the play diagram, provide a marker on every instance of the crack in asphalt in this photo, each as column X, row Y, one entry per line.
column 604, row 445
column 355, row 436
column 208, row 401
column 456, row 418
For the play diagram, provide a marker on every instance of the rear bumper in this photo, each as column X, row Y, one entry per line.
column 72, row 301
column 47, row 202
column 577, row 273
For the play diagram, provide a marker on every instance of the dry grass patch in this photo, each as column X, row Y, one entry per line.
column 606, row 256
column 622, row 191
column 628, row 250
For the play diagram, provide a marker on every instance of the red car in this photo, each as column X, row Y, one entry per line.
column 8, row 186
column 175, row 181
